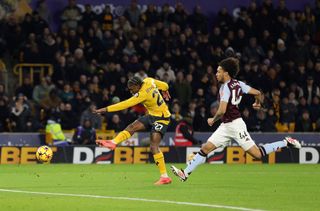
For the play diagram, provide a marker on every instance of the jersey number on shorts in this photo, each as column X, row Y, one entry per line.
column 158, row 126
column 236, row 96
column 243, row 134
column 156, row 93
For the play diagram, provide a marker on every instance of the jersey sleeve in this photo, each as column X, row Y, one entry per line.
column 225, row 95
column 134, row 100
column 245, row 88
column 161, row 85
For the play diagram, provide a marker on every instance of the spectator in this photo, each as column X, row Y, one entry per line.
column 3, row 93
column 95, row 119
column 253, row 52
column 213, row 110
column 248, row 119
column 198, row 21
column 269, row 124
column 31, row 50
column 122, row 24
column 116, row 123
column 315, row 109
column 292, row 99
column 263, row 120
column 184, row 133
column 51, row 101
column 150, row 16
column 141, row 74
column 71, row 15
column 38, row 24
column 288, row 111
column 179, row 16
column 4, row 116
column 44, row 12
column 42, row 90
column 129, row 50
column 84, row 134
column 88, row 16
column 69, row 118
column 304, row 123
column 166, row 69
column 67, row 94
column 176, row 115
column 49, row 49
column 310, row 90
column 182, row 90
column 200, row 120
column 20, row 115
column 133, row 13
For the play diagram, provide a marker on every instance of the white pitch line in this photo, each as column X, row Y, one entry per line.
column 132, row 199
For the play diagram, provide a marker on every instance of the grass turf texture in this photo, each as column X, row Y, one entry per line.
column 268, row 187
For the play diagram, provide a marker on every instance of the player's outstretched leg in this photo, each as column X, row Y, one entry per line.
column 263, row 150
column 197, row 160
column 274, row 146
column 179, row 173
column 111, row 144
column 123, row 135
column 291, row 142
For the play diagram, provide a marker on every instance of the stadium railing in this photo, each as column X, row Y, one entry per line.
column 3, row 74
column 31, row 69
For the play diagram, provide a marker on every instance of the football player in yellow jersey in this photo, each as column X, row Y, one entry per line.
column 158, row 118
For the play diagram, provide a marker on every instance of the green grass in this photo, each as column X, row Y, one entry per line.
column 268, row 187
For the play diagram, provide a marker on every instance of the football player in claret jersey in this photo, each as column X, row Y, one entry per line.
column 232, row 126
column 158, row 118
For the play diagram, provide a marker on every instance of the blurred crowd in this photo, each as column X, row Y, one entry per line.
column 93, row 56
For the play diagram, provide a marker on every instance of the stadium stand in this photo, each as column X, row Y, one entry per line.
column 91, row 57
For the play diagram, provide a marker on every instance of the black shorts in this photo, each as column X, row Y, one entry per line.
column 157, row 124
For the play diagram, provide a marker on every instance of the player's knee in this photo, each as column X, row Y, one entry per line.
column 131, row 129
column 207, row 147
column 257, row 156
column 154, row 148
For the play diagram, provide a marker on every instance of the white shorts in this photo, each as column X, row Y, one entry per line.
column 235, row 130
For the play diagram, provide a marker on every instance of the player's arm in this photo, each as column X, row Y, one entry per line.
column 257, row 95
column 164, row 87
column 221, row 111
column 252, row 91
column 222, row 106
column 134, row 100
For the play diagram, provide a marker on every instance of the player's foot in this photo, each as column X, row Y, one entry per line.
column 106, row 143
column 291, row 142
column 163, row 181
column 179, row 173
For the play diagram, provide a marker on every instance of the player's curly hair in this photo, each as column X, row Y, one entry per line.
column 135, row 81
column 230, row 65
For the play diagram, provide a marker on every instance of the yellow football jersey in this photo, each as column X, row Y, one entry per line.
column 149, row 96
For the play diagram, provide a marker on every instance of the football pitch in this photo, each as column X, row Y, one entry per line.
column 130, row 187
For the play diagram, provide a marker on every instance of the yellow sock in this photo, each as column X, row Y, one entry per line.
column 123, row 135
column 159, row 160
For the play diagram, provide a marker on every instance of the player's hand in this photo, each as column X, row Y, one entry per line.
column 256, row 106
column 166, row 95
column 210, row 121
column 99, row 111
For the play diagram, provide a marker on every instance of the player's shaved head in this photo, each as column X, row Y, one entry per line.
column 134, row 84
column 135, row 81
